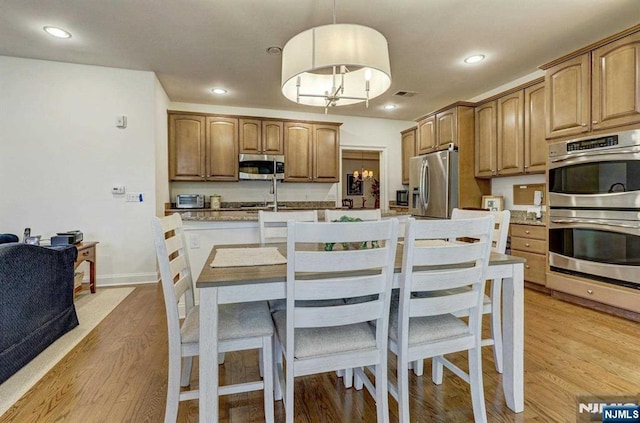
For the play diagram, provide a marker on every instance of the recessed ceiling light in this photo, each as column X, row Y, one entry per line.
column 219, row 91
column 274, row 50
column 389, row 106
column 57, row 32
column 474, row 59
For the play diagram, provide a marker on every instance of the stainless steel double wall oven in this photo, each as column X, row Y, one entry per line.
column 594, row 208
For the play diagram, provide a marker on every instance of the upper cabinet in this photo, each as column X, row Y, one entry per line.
column 437, row 130
column 186, row 147
column 312, row 152
column 509, row 133
column 595, row 88
column 261, row 136
column 408, row 151
column 203, row 148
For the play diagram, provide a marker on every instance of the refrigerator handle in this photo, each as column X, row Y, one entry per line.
column 425, row 184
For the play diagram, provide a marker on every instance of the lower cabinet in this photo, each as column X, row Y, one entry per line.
column 530, row 243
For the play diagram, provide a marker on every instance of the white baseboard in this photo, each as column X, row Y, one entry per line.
column 125, row 279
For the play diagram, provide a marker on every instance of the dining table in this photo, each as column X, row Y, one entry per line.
column 257, row 282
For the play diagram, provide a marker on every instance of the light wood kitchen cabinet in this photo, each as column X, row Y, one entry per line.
column 187, row 144
column 203, row 148
column 222, row 148
column 311, row 152
column 408, row 151
column 594, row 88
column 510, row 132
column 427, row 142
column 530, row 242
column 485, row 140
column 437, row 130
column 261, row 136
column 535, row 143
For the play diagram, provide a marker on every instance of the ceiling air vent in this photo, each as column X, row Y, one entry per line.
column 405, row 93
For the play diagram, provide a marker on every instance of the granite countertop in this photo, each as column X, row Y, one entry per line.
column 520, row 217
column 225, row 215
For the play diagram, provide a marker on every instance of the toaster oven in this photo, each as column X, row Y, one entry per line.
column 190, row 201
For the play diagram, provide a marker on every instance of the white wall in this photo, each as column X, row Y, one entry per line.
column 61, row 152
column 383, row 134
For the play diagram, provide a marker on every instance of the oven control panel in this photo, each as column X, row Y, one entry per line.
column 609, row 141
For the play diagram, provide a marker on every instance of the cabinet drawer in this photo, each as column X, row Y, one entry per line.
column 88, row 254
column 529, row 231
column 534, row 268
column 529, row 245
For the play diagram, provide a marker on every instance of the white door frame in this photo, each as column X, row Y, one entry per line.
column 384, row 183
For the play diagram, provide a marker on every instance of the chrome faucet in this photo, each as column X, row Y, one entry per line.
column 274, row 191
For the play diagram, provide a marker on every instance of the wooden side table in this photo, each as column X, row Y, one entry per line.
column 87, row 252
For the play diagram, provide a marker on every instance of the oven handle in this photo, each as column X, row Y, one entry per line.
column 593, row 222
column 592, row 154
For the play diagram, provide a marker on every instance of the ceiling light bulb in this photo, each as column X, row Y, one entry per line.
column 219, row 91
column 474, row 59
column 367, row 75
column 389, row 106
column 57, row 32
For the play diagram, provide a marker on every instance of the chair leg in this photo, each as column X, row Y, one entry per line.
column 403, row 387
column 185, row 379
column 277, row 360
column 358, row 383
column 289, row 382
column 260, row 365
column 437, row 370
column 266, row 357
column 496, row 322
column 382, row 395
column 173, row 390
column 418, row 367
column 477, row 389
column 348, row 378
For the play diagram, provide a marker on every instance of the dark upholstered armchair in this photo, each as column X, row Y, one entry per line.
column 36, row 301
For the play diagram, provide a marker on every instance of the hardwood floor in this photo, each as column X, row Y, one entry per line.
column 118, row 374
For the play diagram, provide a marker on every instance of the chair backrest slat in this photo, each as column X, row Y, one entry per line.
column 343, row 261
column 450, row 303
column 273, row 225
column 312, row 317
column 356, row 286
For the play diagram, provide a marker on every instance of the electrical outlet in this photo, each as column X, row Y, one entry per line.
column 194, row 241
column 134, row 197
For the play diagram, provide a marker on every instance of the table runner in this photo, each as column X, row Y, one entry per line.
column 236, row 257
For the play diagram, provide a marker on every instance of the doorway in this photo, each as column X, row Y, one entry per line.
column 362, row 178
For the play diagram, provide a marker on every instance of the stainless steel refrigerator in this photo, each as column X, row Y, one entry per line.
column 433, row 184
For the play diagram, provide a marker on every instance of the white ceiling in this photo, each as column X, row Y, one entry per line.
column 194, row 45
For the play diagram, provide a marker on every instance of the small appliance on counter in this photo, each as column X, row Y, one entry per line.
column 402, row 198
column 216, row 201
column 189, row 201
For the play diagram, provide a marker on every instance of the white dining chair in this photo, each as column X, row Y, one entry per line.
column 365, row 215
column 273, row 225
column 324, row 339
column 492, row 302
column 425, row 326
column 241, row 326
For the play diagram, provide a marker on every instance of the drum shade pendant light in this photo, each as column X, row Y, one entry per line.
column 335, row 65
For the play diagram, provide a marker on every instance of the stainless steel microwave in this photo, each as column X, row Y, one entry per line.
column 261, row 166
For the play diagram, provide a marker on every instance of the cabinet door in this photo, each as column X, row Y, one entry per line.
column 298, row 143
column 222, row 149
column 250, row 136
column 616, row 80
column 408, row 151
column 272, row 137
column 326, row 152
column 510, row 135
column 447, row 127
column 186, row 148
column 568, row 93
column 535, row 144
column 485, row 161
column 427, row 135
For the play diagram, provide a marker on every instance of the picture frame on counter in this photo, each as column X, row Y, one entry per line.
column 493, row 202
